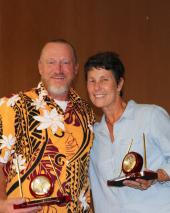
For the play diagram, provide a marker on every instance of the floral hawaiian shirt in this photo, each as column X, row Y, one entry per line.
column 38, row 138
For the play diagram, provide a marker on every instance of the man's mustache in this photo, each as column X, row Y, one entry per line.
column 60, row 75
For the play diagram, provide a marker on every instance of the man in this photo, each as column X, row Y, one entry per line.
column 45, row 138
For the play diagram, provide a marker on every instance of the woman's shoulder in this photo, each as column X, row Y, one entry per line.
column 146, row 108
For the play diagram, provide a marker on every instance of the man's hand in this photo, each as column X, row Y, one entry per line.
column 7, row 206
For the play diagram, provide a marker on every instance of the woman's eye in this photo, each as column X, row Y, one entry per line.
column 105, row 79
column 91, row 81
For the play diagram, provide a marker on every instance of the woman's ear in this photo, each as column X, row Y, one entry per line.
column 120, row 85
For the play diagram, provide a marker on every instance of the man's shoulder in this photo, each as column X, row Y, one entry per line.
column 77, row 99
column 11, row 100
column 30, row 93
column 82, row 105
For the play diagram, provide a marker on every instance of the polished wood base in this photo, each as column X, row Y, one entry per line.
column 44, row 202
column 147, row 175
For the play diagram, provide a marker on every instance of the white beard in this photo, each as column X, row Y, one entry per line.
column 58, row 90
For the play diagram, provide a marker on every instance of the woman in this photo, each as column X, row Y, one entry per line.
column 126, row 127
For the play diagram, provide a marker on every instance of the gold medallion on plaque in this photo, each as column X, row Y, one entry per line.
column 131, row 167
column 42, row 187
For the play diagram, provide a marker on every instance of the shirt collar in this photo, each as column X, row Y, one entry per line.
column 43, row 93
column 127, row 114
column 129, row 110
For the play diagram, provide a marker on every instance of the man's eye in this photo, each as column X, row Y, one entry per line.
column 65, row 62
column 50, row 62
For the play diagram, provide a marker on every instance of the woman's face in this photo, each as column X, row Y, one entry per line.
column 102, row 87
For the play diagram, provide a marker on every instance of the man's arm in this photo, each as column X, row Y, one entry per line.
column 2, row 184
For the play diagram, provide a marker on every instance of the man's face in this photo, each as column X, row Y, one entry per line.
column 57, row 69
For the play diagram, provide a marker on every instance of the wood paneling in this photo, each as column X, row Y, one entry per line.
column 138, row 30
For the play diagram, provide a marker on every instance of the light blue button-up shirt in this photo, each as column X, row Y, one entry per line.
column 106, row 160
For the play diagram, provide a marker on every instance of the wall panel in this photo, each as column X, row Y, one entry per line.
column 138, row 30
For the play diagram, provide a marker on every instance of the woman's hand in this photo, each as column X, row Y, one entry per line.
column 145, row 184
column 139, row 183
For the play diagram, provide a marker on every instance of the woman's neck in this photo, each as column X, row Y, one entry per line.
column 115, row 113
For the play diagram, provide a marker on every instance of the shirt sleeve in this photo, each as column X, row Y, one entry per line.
column 160, row 129
column 7, row 132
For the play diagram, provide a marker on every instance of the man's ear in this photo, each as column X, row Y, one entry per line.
column 76, row 69
column 40, row 67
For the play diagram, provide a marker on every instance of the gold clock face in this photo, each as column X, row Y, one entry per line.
column 129, row 162
column 40, row 185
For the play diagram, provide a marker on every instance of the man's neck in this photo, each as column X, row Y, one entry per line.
column 62, row 97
